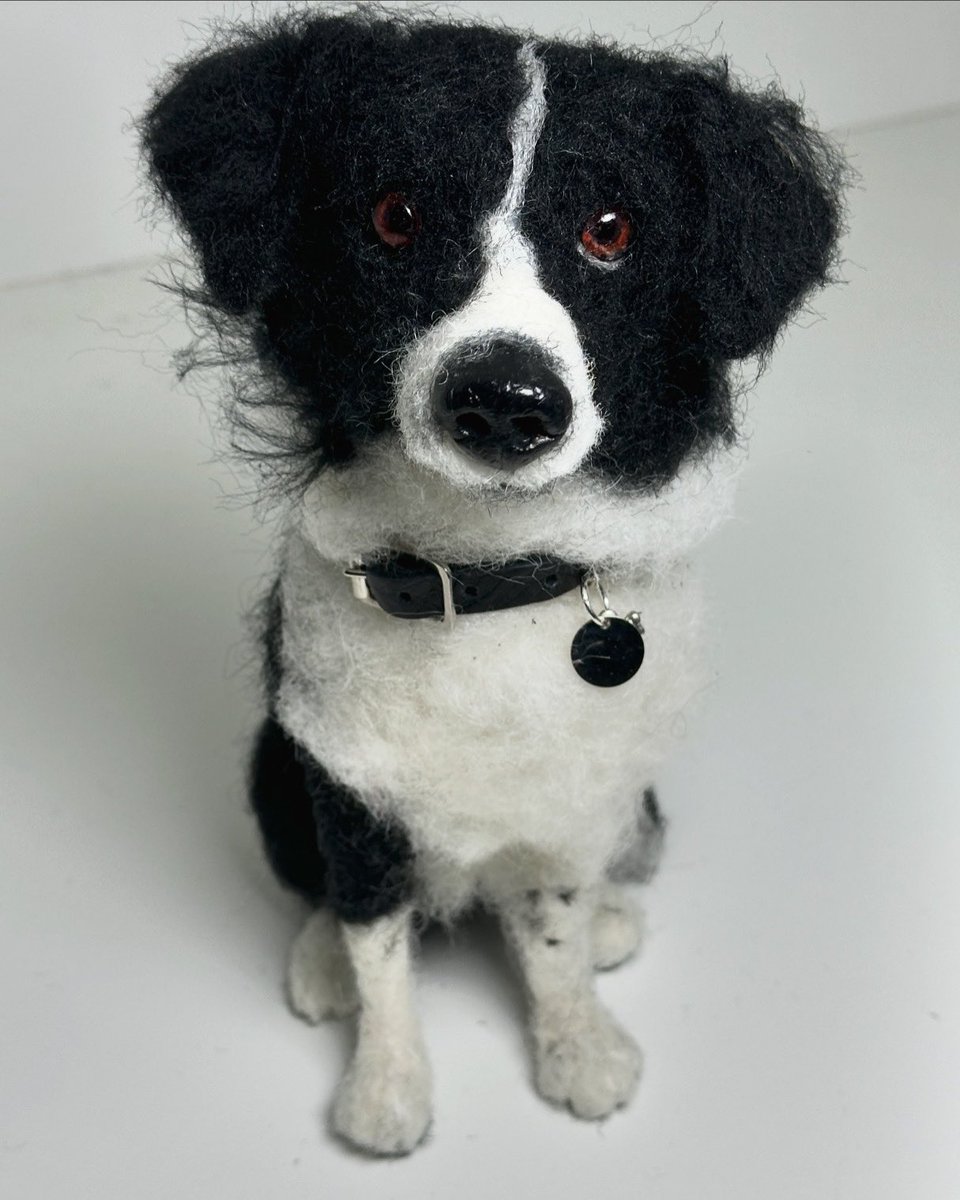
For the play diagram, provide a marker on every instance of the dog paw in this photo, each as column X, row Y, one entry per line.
column 384, row 1105
column 616, row 929
column 320, row 980
column 587, row 1062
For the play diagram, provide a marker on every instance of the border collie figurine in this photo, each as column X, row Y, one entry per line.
column 494, row 287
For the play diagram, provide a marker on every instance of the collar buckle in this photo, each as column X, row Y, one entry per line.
column 360, row 586
column 357, row 575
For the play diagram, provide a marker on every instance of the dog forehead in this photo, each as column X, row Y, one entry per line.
column 432, row 103
column 611, row 116
column 424, row 102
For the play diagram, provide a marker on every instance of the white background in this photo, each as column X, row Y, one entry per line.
column 799, row 996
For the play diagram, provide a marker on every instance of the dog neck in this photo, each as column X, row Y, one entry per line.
column 405, row 586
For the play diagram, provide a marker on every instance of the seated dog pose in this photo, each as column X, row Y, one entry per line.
column 491, row 289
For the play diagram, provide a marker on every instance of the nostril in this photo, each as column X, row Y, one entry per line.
column 532, row 427
column 501, row 403
column 472, row 425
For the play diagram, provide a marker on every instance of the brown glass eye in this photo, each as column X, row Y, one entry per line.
column 396, row 219
column 607, row 235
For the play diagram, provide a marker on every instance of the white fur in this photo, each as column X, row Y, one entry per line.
column 384, row 1101
column 484, row 739
column 616, row 929
column 509, row 302
column 383, row 501
column 581, row 1055
column 320, row 980
column 516, row 781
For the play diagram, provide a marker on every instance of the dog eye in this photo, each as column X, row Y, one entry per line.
column 607, row 235
column 396, row 219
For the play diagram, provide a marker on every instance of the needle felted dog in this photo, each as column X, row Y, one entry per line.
column 493, row 288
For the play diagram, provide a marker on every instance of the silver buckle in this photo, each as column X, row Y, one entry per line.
column 446, row 586
column 357, row 575
column 358, row 584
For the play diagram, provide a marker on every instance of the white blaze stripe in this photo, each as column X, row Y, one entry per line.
column 525, row 130
column 508, row 303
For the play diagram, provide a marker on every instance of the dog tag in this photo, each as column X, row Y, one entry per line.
column 608, row 654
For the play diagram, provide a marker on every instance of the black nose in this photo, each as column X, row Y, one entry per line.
column 501, row 403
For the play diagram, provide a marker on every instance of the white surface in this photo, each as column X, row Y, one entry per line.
column 74, row 75
column 799, row 999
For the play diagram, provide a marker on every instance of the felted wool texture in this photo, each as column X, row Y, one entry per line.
column 735, row 203
column 483, row 740
column 477, row 764
column 616, row 928
column 273, row 151
column 320, row 977
column 321, row 982
column 384, row 500
column 582, row 1057
column 508, row 305
column 321, row 838
column 384, row 1102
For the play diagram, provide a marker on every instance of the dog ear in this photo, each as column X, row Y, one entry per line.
column 766, row 210
column 218, row 148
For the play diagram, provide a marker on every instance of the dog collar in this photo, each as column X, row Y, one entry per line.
column 606, row 651
column 413, row 588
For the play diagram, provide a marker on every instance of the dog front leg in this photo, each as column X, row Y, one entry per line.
column 582, row 1056
column 383, row 1104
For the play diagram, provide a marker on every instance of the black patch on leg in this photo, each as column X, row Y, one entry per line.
column 320, row 838
column 369, row 860
column 284, row 810
column 640, row 859
column 651, row 806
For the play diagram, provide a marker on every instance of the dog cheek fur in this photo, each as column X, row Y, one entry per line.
column 381, row 496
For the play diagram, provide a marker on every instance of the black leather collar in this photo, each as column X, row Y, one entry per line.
column 406, row 586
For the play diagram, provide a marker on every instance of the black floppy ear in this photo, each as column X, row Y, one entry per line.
column 217, row 145
column 769, row 212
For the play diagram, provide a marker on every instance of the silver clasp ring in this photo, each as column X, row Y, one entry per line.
column 590, row 579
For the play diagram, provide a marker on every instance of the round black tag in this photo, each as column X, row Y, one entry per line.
column 607, row 656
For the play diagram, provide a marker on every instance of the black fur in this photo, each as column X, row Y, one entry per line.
column 273, row 151
column 320, row 839
column 273, row 154
column 284, row 810
column 370, row 861
column 735, row 207
column 651, row 807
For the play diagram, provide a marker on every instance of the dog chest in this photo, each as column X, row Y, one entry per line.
column 483, row 737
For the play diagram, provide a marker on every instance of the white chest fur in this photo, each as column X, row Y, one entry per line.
column 484, row 739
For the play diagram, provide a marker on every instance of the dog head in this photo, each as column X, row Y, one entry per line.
column 498, row 284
